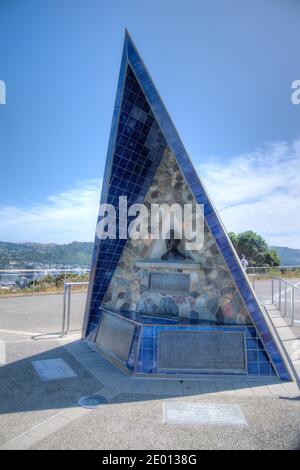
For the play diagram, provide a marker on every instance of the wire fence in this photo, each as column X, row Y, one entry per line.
column 38, row 281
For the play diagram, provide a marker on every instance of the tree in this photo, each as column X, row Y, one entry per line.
column 272, row 258
column 234, row 240
column 255, row 249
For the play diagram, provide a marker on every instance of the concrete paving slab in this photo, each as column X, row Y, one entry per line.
column 259, row 389
column 25, row 400
column 226, row 388
column 132, row 423
column 191, row 387
column 40, row 313
column 53, row 369
column 208, row 387
column 133, row 416
column 242, row 390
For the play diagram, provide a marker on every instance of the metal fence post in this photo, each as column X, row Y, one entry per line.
column 64, row 311
column 285, row 299
column 293, row 305
column 272, row 290
column 279, row 299
column 69, row 309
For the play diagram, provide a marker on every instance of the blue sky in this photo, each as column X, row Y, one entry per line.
column 224, row 70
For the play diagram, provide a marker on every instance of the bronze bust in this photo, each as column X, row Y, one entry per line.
column 172, row 248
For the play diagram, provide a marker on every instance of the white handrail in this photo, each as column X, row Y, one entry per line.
column 292, row 288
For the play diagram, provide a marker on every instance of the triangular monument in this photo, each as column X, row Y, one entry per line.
column 154, row 308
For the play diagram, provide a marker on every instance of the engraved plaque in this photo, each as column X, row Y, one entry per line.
column 200, row 413
column 205, row 351
column 176, row 283
column 115, row 336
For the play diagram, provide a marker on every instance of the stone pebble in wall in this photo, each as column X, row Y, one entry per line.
column 213, row 295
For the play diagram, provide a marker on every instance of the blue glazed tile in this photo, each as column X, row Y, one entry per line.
column 217, row 231
column 264, row 368
column 272, row 348
column 260, row 345
column 247, row 295
column 253, row 368
column 212, row 220
column 192, row 178
column 201, row 198
column 147, row 354
column 208, row 209
column 256, row 315
column 261, row 326
column 242, row 284
column 276, row 358
column 285, row 376
column 147, row 367
column 222, row 242
column 263, row 357
column 250, row 332
column 251, row 343
column 267, row 338
column 232, row 262
column 130, row 169
column 281, row 369
column 252, row 356
column 237, row 274
column 148, row 331
column 227, row 253
column 147, row 343
column 196, row 188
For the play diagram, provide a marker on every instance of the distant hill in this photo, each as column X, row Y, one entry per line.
column 288, row 256
column 33, row 255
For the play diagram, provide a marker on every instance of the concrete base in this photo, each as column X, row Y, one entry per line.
column 154, row 346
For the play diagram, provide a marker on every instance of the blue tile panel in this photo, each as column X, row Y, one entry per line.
column 258, row 362
column 138, row 150
column 143, row 355
column 133, row 157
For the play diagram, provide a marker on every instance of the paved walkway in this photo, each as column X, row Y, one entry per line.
column 290, row 341
column 41, row 414
column 44, row 414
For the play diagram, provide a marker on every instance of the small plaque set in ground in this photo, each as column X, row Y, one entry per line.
column 203, row 413
column 158, row 307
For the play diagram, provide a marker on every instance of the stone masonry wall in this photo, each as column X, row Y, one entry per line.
column 213, row 295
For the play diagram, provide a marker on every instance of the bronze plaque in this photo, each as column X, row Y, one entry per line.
column 115, row 336
column 176, row 283
column 203, row 351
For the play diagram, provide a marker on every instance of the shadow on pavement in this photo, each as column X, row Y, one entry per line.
column 23, row 390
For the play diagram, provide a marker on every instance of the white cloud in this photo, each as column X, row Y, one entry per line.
column 259, row 191
column 62, row 218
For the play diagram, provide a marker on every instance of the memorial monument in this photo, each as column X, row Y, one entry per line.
column 154, row 306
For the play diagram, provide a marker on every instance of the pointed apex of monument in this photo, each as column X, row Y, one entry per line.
column 128, row 36
column 144, row 146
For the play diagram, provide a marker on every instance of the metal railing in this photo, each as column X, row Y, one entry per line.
column 287, row 299
column 65, row 330
column 265, row 270
column 35, row 281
